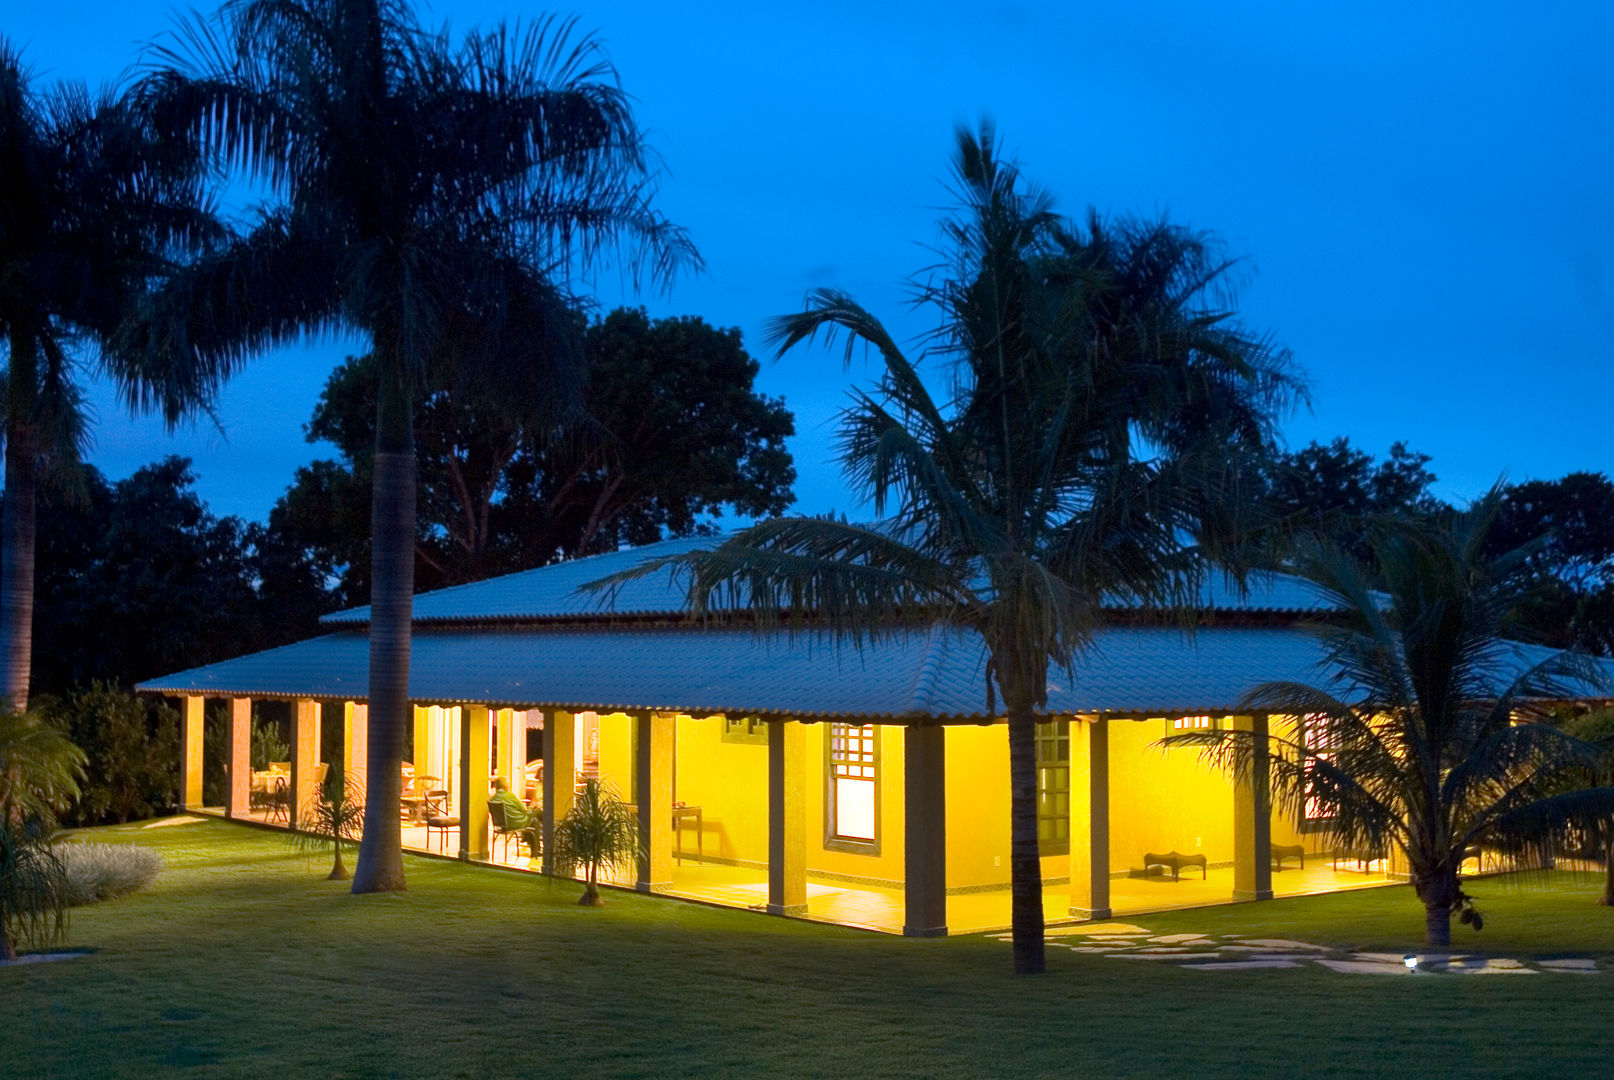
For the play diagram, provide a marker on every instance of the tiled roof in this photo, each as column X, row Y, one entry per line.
column 936, row 673
column 551, row 592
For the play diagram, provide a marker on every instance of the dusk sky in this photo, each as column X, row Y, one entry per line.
column 1424, row 196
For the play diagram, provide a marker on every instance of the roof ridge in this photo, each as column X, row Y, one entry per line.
column 924, row 682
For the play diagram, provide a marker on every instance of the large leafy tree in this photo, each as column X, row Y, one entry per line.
column 670, row 431
column 433, row 198
column 1103, row 400
column 1335, row 491
column 1433, row 733
column 1572, row 603
column 138, row 577
column 95, row 204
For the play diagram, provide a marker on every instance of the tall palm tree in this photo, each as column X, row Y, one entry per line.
column 434, row 200
column 1102, row 393
column 94, row 205
column 1432, row 734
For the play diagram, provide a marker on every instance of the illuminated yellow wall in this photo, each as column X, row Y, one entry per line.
column 978, row 808
column 888, row 864
column 729, row 782
column 616, row 753
column 1164, row 800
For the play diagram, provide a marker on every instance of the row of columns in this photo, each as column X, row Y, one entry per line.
column 925, row 899
column 305, row 762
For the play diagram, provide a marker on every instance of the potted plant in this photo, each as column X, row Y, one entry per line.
column 600, row 831
column 333, row 818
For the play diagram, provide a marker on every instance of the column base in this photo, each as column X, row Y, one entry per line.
column 787, row 909
column 1090, row 914
column 924, row 931
column 651, row 886
column 1252, row 894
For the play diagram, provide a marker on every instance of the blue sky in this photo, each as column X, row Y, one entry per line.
column 1424, row 195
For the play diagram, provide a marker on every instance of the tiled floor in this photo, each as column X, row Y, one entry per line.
column 882, row 909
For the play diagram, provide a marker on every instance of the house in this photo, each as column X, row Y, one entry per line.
column 801, row 776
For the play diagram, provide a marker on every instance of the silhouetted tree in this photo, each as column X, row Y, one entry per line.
column 671, row 431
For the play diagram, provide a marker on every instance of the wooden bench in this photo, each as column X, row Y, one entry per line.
column 1176, row 860
column 1360, row 856
column 1281, row 852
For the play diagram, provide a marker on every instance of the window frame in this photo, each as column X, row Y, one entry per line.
column 1053, row 734
column 851, row 844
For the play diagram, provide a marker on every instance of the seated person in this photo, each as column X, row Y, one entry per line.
column 516, row 816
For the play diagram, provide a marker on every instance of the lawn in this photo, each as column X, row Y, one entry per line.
column 241, row 961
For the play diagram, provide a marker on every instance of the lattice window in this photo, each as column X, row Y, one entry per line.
column 1318, row 736
column 1053, row 788
column 854, row 768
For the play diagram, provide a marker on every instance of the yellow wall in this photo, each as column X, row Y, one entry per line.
column 1164, row 800
column 729, row 782
column 616, row 753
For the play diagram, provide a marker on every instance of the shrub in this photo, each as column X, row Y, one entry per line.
column 131, row 746
column 103, row 871
column 40, row 772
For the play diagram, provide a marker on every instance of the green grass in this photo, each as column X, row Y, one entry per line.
column 240, row 961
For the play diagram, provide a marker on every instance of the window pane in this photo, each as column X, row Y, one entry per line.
column 854, row 809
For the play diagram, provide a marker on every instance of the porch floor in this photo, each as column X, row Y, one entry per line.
column 875, row 908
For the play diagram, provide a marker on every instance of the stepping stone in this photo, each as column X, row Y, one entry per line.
column 1284, row 943
column 1492, row 969
column 1102, row 950
column 1111, row 928
column 1240, row 965
column 1164, row 949
column 1173, row 939
column 1575, row 966
column 1364, row 967
column 1385, row 957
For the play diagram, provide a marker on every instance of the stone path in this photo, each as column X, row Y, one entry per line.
column 1235, row 952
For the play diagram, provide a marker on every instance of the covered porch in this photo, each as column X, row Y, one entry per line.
column 898, row 829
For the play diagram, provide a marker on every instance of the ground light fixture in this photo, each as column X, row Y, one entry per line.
column 1411, row 960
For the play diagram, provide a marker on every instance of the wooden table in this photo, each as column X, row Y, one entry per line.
column 679, row 813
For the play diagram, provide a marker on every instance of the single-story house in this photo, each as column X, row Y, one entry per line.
column 799, row 775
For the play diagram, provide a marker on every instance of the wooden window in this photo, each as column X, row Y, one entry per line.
column 1317, row 735
column 1053, row 788
column 853, row 801
column 1177, row 725
column 745, row 729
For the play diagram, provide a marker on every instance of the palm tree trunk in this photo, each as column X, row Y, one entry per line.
column 1025, row 862
column 17, row 529
column 392, row 574
column 338, row 868
column 1438, row 891
column 1607, row 899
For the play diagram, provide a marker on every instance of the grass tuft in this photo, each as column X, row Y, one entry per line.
column 97, row 871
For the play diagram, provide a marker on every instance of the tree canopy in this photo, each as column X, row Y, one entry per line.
column 670, row 434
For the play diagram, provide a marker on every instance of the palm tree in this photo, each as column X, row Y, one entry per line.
column 1432, row 734
column 94, row 205
column 599, row 832
column 1101, row 394
column 335, row 817
column 1596, row 839
column 433, row 197
column 40, row 772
